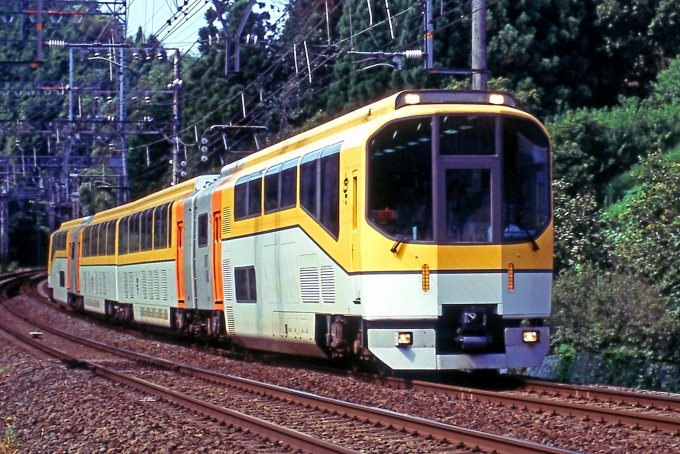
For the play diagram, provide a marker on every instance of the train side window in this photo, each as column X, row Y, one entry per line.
column 245, row 284
column 271, row 189
column 87, row 241
column 255, row 194
column 289, row 184
column 203, row 230
column 160, row 227
column 123, row 235
column 62, row 279
column 133, row 239
column 241, row 198
column 96, row 242
column 169, row 225
column 84, row 242
column 309, row 183
column 329, row 206
column 146, row 232
column 111, row 238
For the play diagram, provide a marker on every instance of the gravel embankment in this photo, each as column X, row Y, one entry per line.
column 81, row 413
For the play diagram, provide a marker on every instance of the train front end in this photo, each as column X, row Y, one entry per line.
column 458, row 242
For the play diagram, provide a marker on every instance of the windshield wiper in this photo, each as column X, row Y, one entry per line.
column 409, row 226
column 531, row 237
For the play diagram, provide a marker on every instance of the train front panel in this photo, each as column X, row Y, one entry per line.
column 456, row 250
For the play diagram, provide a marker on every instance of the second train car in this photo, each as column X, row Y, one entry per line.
column 415, row 232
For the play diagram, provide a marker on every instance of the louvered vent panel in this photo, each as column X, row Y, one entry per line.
column 131, row 284
column 104, row 283
column 145, row 293
column 151, row 281
column 157, row 285
column 164, row 285
column 327, row 284
column 309, row 284
column 125, row 285
column 226, row 221
column 150, row 284
column 231, row 325
column 227, row 281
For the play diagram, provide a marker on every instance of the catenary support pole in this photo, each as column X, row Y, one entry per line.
column 479, row 77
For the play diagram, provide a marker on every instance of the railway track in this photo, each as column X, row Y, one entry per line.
column 328, row 415
column 546, row 402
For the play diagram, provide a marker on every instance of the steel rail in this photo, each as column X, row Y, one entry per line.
column 636, row 399
column 393, row 420
column 587, row 412
column 281, row 435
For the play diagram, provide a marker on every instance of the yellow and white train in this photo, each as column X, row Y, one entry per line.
column 415, row 232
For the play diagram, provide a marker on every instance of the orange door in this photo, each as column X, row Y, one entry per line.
column 217, row 260
column 180, row 265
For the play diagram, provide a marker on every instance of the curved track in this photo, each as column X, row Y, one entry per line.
column 330, row 413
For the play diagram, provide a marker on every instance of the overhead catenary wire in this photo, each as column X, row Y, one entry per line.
column 267, row 71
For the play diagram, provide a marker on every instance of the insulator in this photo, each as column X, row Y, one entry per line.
column 183, row 174
column 204, row 149
column 56, row 43
column 413, row 53
column 183, row 163
column 204, row 158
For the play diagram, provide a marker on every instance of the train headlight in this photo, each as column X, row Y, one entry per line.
column 496, row 98
column 531, row 337
column 404, row 339
column 412, row 98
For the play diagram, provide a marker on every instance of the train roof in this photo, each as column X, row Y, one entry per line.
column 157, row 198
column 357, row 117
column 371, row 112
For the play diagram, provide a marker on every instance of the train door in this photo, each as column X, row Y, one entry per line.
column 188, row 251
column 203, row 224
column 74, row 262
column 70, row 282
column 73, row 265
column 354, row 234
column 179, row 253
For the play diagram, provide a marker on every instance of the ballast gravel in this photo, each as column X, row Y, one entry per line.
column 54, row 407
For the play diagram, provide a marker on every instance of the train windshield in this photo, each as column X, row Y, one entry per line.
column 526, row 178
column 400, row 181
column 471, row 179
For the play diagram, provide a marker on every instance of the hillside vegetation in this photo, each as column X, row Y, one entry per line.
column 617, row 218
column 603, row 76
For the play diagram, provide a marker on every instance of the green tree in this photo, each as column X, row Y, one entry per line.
column 546, row 47
column 645, row 226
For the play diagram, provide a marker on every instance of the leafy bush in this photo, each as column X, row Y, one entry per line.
column 580, row 232
column 645, row 226
column 602, row 311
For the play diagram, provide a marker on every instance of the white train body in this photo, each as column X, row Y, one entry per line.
column 417, row 234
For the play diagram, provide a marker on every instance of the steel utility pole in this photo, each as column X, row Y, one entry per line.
column 177, row 84
column 479, row 76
